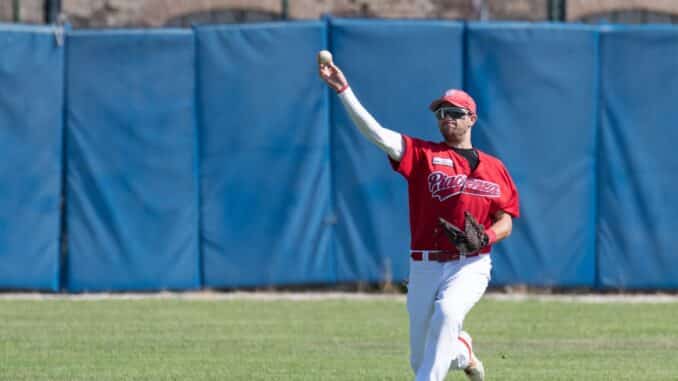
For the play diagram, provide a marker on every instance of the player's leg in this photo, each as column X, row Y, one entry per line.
column 463, row 293
column 423, row 284
column 466, row 283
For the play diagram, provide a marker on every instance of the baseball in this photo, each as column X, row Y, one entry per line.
column 324, row 57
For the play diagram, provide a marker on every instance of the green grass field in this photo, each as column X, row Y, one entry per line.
column 171, row 339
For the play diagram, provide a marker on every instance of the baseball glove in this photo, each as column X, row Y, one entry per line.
column 476, row 236
column 471, row 239
column 456, row 235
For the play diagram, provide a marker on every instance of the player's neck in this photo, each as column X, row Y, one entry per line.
column 463, row 144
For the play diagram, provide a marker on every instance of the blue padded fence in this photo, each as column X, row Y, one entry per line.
column 31, row 103
column 265, row 164
column 131, row 147
column 536, row 89
column 639, row 167
column 215, row 157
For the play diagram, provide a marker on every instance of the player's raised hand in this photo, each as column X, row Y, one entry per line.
column 332, row 75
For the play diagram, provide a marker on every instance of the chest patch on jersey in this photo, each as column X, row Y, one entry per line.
column 443, row 161
column 443, row 186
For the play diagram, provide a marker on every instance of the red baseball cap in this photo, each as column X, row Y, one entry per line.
column 456, row 97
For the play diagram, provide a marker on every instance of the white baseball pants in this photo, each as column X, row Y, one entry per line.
column 439, row 296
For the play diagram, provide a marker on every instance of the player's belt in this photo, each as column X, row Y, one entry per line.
column 439, row 256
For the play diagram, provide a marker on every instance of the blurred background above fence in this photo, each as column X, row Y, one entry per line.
column 183, row 13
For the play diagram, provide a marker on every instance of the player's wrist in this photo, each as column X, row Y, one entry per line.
column 491, row 237
column 342, row 88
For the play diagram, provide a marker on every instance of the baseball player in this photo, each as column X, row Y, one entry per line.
column 461, row 201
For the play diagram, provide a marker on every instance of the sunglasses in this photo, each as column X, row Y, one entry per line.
column 451, row 112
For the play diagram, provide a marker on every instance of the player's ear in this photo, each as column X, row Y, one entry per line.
column 473, row 118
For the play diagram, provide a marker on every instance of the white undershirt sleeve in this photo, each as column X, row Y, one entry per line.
column 389, row 141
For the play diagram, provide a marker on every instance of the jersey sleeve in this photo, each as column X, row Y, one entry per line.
column 411, row 153
column 509, row 201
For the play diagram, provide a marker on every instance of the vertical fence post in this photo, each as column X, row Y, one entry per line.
column 557, row 10
column 16, row 10
column 52, row 11
column 285, row 9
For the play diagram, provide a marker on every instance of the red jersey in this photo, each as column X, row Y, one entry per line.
column 441, row 184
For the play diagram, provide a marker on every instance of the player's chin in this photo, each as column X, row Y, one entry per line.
column 447, row 129
column 449, row 134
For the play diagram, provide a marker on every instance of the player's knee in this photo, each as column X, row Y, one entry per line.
column 450, row 315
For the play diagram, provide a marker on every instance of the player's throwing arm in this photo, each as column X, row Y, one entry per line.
column 389, row 141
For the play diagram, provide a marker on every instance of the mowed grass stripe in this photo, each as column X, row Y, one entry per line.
column 166, row 339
